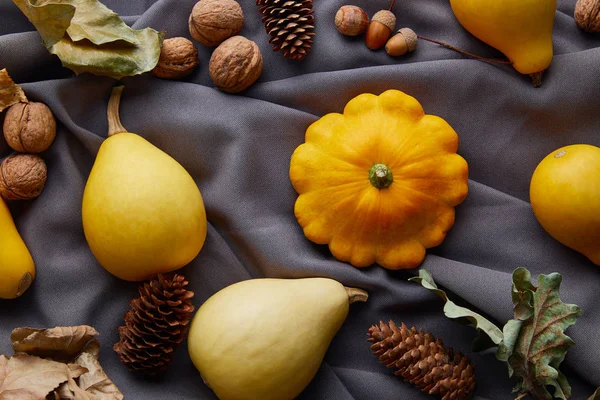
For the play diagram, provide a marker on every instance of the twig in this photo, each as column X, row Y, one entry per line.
column 466, row 53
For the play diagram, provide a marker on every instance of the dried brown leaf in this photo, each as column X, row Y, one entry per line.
column 25, row 377
column 70, row 390
column 10, row 92
column 83, row 378
column 60, row 343
column 96, row 382
column 3, row 368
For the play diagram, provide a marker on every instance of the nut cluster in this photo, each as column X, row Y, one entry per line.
column 28, row 128
column 236, row 63
column 353, row 21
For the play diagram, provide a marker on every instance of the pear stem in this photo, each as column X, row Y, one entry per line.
column 466, row 53
column 114, row 121
column 355, row 294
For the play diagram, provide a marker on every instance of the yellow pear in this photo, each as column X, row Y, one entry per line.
column 17, row 269
column 565, row 197
column 266, row 338
column 142, row 212
column 521, row 29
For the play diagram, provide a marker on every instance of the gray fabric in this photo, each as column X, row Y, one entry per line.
column 238, row 149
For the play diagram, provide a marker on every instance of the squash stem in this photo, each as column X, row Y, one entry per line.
column 381, row 176
column 114, row 121
column 536, row 78
column 355, row 294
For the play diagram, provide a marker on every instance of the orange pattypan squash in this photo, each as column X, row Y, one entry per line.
column 379, row 182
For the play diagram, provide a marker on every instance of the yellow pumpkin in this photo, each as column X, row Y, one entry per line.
column 379, row 182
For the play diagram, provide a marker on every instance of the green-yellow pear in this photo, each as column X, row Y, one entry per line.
column 266, row 338
column 142, row 212
column 521, row 29
column 17, row 269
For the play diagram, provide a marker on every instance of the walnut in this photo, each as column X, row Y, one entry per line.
column 29, row 127
column 213, row 21
column 178, row 58
column 235, row 64
column 22, row 176
column 587, row 15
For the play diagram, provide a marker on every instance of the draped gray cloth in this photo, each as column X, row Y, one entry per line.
column 238, row 148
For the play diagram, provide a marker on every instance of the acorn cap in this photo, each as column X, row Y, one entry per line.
column 385, row 17
column 410, row 36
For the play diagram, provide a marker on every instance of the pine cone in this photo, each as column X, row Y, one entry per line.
column 290, row 23
column 156, row 323
column 423, row 361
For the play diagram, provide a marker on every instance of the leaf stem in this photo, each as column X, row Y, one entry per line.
column 466, row 53
column 114, row 121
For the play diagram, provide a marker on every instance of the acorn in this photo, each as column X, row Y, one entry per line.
column 402, row 42
column 380, row 29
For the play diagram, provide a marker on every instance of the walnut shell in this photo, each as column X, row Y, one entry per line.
column 178, row 58
column 213, row 21
column 22, row 176
column 235, row 64
column 587, row 15
column 29, row 127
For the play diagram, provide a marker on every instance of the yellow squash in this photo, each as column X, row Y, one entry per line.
column 521, row 29
column 379, row 182
column 17, row 269
column 142, row 212
column 565, row 197
column 265, row 339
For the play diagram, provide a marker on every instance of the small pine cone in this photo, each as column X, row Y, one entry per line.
column 423, row 361
column 290, row 23
column 156, row 323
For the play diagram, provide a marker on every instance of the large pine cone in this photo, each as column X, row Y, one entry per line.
column 290, row 23
column 423, row 361
column 156, row 323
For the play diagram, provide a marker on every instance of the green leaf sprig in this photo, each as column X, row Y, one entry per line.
column 89, row 37
column 533, row 344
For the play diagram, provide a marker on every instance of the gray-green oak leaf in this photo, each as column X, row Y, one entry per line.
column 533, row 343
column 452, row 310
column 535, row 346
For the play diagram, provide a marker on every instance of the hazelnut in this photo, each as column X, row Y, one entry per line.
column 402, row 42
column 235, row 64
column 351, row 20
column 213, row 21
column 22, row 176
column 587, row 15
column 380, row 29
column 29, row 127
column 178, row 58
